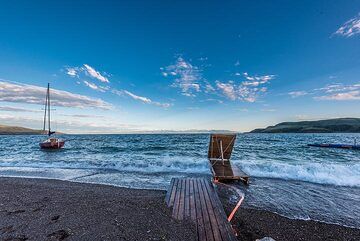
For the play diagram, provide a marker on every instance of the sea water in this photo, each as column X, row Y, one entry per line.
column 287, row 176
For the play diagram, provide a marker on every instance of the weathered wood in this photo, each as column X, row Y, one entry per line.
column 223, row 171
column 195, row 199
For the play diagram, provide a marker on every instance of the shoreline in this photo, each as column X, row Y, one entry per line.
column 72, row 210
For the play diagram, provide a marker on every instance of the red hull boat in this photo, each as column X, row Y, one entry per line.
column 51, row 142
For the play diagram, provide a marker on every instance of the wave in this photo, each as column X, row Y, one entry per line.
column 340, row 174
column 149, row 165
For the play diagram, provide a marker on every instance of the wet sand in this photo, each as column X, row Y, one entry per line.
column 41, row 209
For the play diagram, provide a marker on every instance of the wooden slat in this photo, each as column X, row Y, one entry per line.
column 221, row 218
column 199, row 218
column 177, row 199
column 168, row 193
column 180, row 214
column 210, row 208
column 196, row 199
column 187, row 199
column 173, row 192
column 192, row 201
column 208, row 229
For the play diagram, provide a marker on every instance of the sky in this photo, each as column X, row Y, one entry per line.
column 135, row 66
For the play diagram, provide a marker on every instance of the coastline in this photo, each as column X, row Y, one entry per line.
column 43, row 209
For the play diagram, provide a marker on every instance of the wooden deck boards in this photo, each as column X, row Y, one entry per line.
column 223, row 171
column 195, row 199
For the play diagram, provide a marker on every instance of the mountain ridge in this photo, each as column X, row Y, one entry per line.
column 338, row 125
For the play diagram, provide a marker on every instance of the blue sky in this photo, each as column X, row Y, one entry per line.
column 124, row 66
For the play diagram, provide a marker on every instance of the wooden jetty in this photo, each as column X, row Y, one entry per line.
column 220, row 149
column 195, row 199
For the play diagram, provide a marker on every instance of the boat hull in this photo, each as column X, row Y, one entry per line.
column 52, row 145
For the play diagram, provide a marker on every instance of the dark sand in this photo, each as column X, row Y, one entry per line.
column 252, row 224
column 39, row 209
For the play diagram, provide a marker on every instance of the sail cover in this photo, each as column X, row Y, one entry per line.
column 221, row 146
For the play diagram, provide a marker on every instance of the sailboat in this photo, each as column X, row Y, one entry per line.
column 51, row 142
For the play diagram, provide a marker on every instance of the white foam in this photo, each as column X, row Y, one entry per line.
column 341, row 174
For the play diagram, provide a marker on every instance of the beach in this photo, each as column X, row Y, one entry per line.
column 44, row 209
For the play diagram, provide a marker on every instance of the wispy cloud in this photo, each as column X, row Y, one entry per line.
column 16, row 109
column 73, row 72
column 95, row 74
column 31, row 94
column 140, row 98
column 186, row 76
column 340, row 92
column 96, row 87
column 248, row 90
column 295, row 94
column 87, row 70
column 350, row 28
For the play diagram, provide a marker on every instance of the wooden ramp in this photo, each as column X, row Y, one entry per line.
column 220, row 149
column 195, row 199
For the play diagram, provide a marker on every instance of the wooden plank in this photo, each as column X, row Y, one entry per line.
column 197, row 199
column 177, row 200
column 225, row 227
column 180, row 214
column 199, row 218
column 192, row 201
column 173, row 192
column 221, row 218
column 208, row 228
column 210, row 208
column 187, row 199
column 169, row 191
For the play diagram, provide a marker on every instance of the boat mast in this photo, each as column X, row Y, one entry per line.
column 48, row 94
column 46, row 106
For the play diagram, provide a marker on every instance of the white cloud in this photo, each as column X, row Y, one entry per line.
column 73, row 72
column 351, row 95
column 95, row 87
column 228, row 89
column 248, row 90
column 88, row 71
column 141, row 98
column 95, row 74
column 186, row 76
column 31, row 94
column 350, row 28
column 340, row 92
column 295, row 94
column 16, row 109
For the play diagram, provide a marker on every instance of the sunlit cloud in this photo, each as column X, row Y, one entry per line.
column 31, row 94
column 95, row 74
column 185, row 75
column 295, row 94
column 350, row 28
column 142, row 99
column 248, row 90
column 16, row 109
column 96, row 87
column 339, row 92
column 87, row 70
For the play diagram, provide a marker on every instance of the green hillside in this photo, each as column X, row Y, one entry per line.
column 345, row 125
column 16, row 130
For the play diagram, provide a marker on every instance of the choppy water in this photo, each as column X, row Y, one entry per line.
column 287, row 176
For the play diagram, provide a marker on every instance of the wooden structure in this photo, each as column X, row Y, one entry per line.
column 220, row 149
column 195, row 199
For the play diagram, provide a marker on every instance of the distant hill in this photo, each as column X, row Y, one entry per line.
column 16, row 130
column 345, row 125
